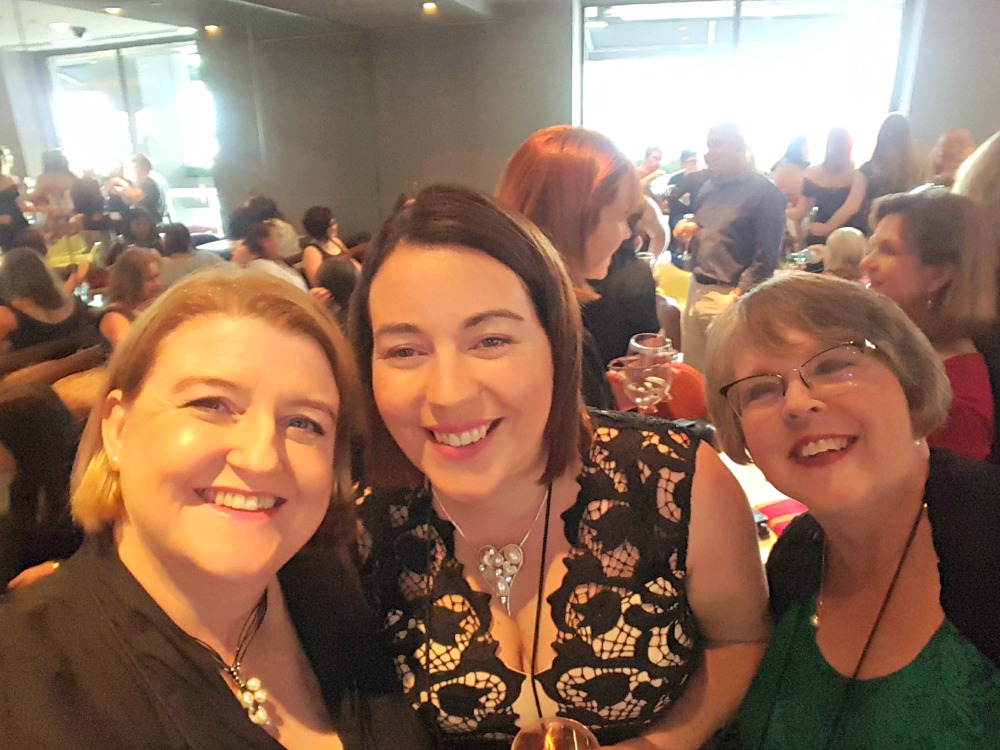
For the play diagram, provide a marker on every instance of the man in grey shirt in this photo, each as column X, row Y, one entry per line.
column 734, row 239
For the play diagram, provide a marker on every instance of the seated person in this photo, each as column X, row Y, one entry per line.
column 140, row 231
column 323, row 242
column 195, row 614
column 885, row 592
column 264, row 250
column 845, row 249
column 37, row 309
column 133, row 284
column 39, row 436
column 179, row 258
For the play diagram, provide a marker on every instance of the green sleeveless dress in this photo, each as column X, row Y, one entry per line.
column 947, row 697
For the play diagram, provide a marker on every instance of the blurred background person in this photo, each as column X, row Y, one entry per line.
column 579, row 189
column 891, row 169
column 842, row 255
column 952, row 148
column 12, row 219
column 825, row 186
column 133, row 284
column 931, row 255
column 179, row 258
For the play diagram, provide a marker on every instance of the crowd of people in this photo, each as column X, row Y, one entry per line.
column 389, row 495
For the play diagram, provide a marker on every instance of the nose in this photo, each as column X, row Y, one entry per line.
column 255, row 443
column 799, row 399
column 868, row 262
column 449, row 379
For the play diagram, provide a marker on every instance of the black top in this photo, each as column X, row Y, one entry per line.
column 17, row 223
column 90, row 661
column 627, row 305
column 626, row 642
column 31, row 331
column 963, row 506
column 741, row 225
column 827, row 200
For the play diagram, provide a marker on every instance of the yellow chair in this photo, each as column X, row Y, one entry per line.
column 672, row 281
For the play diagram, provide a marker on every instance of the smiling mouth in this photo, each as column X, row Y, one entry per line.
column 465, row 438
column 822, row 447
column 241, row 500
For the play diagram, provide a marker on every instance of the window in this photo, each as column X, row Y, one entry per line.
column 663, row 73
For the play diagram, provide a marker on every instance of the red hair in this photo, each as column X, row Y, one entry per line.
column 560, row 178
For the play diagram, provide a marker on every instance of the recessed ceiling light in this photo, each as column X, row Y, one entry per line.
column 59, row 26
column 212, row 29
column 430, row 8
column 112, row 11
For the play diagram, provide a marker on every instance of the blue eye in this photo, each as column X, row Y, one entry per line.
column 304, row 423
column 401, row 352
column 491, row 342
column 208, row 403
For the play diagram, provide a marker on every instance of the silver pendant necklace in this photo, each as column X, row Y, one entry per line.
column 252, row 694
column 499, row 568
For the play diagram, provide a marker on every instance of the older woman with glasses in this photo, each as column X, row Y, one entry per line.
column 883, row 592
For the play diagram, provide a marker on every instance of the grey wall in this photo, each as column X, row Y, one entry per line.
column 352, row 120
column 26, row 123
column 956, row 80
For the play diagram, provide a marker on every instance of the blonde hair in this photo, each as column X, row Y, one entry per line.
column 831, row 311
column 96, row 492
column 979, row 179
column 845, row 248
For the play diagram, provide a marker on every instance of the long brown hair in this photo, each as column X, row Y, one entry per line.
column 24, row 275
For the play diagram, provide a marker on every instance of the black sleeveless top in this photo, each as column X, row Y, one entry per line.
column 627, row 638
column 31, row 331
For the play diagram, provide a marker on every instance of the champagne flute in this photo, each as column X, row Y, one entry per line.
column 555, row 734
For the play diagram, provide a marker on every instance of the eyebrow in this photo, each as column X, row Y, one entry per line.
column 312, row 403
column 470, row 322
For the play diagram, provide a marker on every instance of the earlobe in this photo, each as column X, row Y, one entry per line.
column 113, row 424
column 939, row 277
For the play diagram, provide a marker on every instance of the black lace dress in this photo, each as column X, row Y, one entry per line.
column 627, row 639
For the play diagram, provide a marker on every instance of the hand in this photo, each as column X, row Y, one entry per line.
column 29, row 575
column 685, row 229
column 320, row 294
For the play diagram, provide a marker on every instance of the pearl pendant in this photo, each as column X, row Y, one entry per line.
column 814, row 620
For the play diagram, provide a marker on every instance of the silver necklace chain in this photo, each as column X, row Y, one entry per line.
column 498, row 567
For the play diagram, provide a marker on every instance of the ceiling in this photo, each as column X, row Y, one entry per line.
column 25, row 24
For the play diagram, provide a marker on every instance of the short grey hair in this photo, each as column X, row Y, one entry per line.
column 830, row 310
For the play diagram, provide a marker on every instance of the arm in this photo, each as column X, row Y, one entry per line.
column 651, row 222
column 851, row 205
column 113, row 327
column 312, row 259
column 8, row 324
column 769, row 231
column 728, row 594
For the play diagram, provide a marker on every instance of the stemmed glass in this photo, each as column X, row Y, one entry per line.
column 555, row 734
column 645, row 372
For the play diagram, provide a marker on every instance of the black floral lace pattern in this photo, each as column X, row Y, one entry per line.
column 627, row 640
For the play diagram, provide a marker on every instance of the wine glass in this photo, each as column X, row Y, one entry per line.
column 554, row 734
column 645, row 372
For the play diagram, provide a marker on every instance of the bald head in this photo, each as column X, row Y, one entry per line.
column 727, row 150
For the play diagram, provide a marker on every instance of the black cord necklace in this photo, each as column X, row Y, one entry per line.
column 251, row 692
column 815, row 621
column 538, row 604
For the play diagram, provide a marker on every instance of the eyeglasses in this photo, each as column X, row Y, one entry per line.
column 822, row 373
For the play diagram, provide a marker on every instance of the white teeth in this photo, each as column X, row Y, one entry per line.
column 240, row 501
column 458, row 440
column 822, row 446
